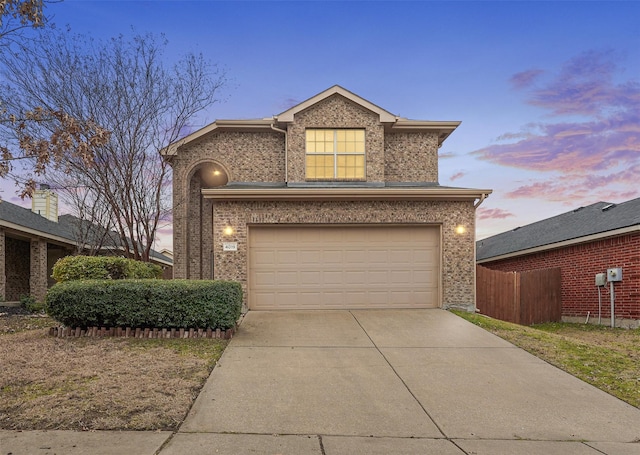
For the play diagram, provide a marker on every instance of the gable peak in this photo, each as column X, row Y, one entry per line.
column 287, row 116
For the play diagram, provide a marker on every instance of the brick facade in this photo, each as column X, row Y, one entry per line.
column 17, row 265
column 245, row 157
column 458, row 268
column 579, row 264
column 38, row 282
column 3, row 269
column 411, row 157
column 262, row 155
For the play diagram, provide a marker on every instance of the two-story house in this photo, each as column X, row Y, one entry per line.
column 334, row 203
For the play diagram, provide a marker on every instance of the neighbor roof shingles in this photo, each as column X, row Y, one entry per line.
column 575, row 224
column 64, row 228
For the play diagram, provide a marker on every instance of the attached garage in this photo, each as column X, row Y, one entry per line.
column 328, row 266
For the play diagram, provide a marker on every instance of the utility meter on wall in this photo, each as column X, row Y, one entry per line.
column 614, row 274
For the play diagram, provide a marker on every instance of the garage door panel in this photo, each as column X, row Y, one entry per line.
column 343, row 267
column 401, row 277
column 262, row 257
column 287, row 278
column 356, row 277
column 357, row 257
column 308, row 278
column 402, row 256
column 332, row 256
column 264, row 278
column 332, row 278
column 378, row 256
column 285, row 257
column 310, row 256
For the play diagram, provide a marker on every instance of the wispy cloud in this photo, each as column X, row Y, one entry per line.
column 446, row 155
column 579, row 187
column 288, row 103
column 595, row 142
column 585, row 85
column 525, row 78
column 457, row 176
column 493, row 214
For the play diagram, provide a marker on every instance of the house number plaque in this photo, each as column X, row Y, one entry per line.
column 229, row 246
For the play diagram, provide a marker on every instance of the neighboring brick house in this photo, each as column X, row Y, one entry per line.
column 334, row 203
column 31, row 241
column 584, row 242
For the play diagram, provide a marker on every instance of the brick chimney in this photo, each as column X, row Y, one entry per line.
column 45, row 203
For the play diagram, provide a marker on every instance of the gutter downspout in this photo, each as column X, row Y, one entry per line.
column 475, row 258
column 286, row 152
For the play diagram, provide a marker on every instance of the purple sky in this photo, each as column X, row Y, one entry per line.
column 548, row 92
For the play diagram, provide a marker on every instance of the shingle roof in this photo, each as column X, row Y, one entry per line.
column 26, row 218
column 64, row 228
column 597, row 218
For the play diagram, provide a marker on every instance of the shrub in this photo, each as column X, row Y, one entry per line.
column 146, row 303
column 103, row 268
column 30, row 303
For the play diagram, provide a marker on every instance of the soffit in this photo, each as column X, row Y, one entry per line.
column 345, row 194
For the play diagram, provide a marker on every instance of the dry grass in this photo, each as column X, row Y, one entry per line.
column 604, row 357
column 97, row 383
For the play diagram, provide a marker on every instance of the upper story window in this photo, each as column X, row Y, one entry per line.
column 334, row 154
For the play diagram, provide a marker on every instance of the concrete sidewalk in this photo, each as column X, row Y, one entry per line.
column 374, row 382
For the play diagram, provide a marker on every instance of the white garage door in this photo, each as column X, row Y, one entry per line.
column 326, row 267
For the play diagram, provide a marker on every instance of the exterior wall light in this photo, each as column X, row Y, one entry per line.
column 228, row 230
column 460, row 229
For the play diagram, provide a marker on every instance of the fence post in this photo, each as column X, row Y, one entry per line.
column 517, row 300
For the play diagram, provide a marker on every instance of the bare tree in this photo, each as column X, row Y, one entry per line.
column 17, row 15
column 124, row 86
column 65, row 135
column 92, row 225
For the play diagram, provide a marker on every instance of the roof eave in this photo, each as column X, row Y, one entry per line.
column 222, row 125
column 443, row 128
column 351, row 194
column 35, row 232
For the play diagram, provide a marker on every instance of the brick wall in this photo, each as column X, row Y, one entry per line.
column 579, row 265
column 411, row 157
column 17, row 265
column 38, row 271
column 245, row 156
column 3, row 269
column 458, row 269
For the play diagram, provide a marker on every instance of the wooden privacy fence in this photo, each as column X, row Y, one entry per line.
column 522, row 297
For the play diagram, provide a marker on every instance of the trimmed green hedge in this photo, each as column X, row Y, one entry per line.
column 103, row 268
column 146, row 303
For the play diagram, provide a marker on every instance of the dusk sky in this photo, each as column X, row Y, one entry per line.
column 548, row 92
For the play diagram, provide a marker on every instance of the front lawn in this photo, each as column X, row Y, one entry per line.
column 604, row 357
column 97, row 383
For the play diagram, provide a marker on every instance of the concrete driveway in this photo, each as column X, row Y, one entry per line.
column 394, row 381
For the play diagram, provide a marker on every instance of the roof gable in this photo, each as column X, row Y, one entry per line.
column 576, row 226
column 287, row 116
column 392, row 122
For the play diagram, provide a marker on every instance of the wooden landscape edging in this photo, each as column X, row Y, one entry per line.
column 128, row 332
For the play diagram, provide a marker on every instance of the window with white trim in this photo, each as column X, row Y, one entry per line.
column 335, row 154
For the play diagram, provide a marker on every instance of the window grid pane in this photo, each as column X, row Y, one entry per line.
column 335, row 154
